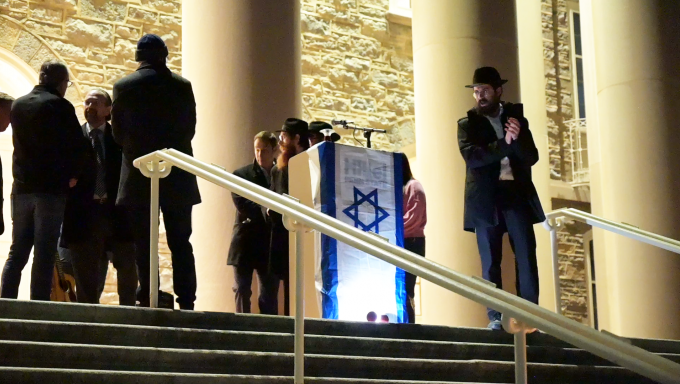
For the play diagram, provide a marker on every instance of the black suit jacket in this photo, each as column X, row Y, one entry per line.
column 278, row 247
column 48, row 145
column 154, row 109
column 78, row 218
column 250, row 238
column 483, row 151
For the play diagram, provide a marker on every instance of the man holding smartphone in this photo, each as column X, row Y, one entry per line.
column 499, row 151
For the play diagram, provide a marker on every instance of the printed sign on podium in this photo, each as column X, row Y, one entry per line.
column 363, row 188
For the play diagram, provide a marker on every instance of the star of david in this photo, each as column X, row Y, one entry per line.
column 353, row 210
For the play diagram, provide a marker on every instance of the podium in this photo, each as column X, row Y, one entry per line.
column 363, row 188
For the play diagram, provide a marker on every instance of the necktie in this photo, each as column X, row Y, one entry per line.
column 100, row 185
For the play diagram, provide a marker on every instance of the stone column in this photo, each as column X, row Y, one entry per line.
column 532, row 84
column 636, row 56
column 243, row 59
column 450, row 39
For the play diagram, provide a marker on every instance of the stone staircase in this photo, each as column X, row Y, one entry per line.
column 74, row 343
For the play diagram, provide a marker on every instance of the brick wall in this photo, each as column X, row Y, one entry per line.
column 357, row 65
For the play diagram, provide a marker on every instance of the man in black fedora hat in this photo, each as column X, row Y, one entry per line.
column 500, row 197
column 293, row 139
column 154, row 109
column 317, row 130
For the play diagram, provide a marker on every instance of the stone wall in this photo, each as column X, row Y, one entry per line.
column 559, row 103
column 357, row 65
column 97, row 40
column 557, row 57
column 572, row 263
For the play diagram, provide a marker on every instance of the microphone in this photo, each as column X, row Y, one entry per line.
column 341, row 122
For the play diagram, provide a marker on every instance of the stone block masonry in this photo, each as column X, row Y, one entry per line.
column 96, row 38
column 357, row 65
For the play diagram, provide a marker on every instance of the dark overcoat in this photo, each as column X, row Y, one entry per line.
column 78, row 218
column 48, row 144
column 154, row 109
column 483, row 151
column 250, row 238
column 278, row 253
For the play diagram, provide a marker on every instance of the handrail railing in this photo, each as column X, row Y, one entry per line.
column 555, row 220
column 519, row 315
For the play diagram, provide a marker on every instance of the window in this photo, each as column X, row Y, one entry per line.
column 577, row 67
column 400, row 12
column 590, row 278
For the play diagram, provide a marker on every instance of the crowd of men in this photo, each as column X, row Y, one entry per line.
column 75, row 186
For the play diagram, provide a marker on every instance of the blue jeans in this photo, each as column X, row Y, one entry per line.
column 36, row 222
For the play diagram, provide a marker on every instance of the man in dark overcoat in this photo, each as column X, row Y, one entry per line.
column 293, row 139
column 93, row 225
column 154, row 109
column 249, row 249
column 48, row 157
column 500, row 197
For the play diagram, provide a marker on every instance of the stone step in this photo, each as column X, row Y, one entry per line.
column 187, row 338
column 74, row 376
column 100, row 314
column 144, row 359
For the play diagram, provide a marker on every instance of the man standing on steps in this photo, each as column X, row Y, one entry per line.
column 249, row 249
column 49, row 150
column 5, row 108
column 293, row 139
column 93, row 224
column 500, row 197
column 154, row 109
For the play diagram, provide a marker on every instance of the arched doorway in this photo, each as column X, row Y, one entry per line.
column 16, row 79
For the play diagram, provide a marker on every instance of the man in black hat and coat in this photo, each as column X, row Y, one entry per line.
column 154, row 109
column 318, row 131
column 293, row 139
column 249, row 248
column 500, row 197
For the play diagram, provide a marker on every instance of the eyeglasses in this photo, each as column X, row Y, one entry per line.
column 70, row 83
column 482, row 92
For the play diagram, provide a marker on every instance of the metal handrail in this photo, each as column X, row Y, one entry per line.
column 555, row 220
column 520, row 316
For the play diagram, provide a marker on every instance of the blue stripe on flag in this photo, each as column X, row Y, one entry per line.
column 329, row 246
column 400, row 276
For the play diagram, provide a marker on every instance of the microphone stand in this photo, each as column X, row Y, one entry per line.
column 367, row 132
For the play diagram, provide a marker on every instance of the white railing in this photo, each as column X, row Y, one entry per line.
column 519, row 315
column 555, row 220
column 580, row 174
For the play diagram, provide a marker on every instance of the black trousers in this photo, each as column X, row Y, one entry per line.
column 177, row 220
column 417, row 246
column 268, row 300
column 513, row 218
column 89, row 255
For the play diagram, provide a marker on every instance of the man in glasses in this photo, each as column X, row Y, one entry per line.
column 500, row 197
column 48, row 159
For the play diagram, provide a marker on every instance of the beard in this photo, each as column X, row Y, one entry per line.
column 287, row 152
column 488, row 106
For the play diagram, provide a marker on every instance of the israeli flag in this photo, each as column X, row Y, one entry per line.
column 363, row 188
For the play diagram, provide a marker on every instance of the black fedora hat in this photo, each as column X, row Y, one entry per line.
column 486, row 75
column 318, row 126
column 294, row 126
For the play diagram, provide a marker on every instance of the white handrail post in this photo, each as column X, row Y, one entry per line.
column 521, row 376
column 519, row 330
column 299, row 349
column 299, row 309
column 153, row 249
